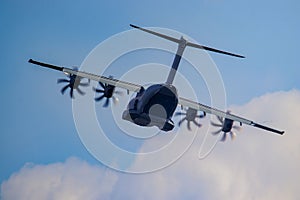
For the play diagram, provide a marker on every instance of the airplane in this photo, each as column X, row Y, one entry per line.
column 140, row 108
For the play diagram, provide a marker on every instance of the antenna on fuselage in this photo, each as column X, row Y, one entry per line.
column 182, row 43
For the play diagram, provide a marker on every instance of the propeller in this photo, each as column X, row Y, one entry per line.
column 107, row 92
column 73, row 83
column 190, row 116
column 225, row 126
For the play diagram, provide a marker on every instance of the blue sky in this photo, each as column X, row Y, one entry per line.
column 36, row 121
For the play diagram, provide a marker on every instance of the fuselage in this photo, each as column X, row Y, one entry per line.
column 153, row 106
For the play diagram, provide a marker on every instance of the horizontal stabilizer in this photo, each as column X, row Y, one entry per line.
column 212, row 49
column 188, row 43
column 157, row 34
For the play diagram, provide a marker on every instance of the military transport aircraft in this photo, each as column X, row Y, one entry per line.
column 139, row 110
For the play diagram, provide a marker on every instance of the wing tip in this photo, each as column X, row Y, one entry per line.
column 267, row 128
column 281, row 132
column 133, row 26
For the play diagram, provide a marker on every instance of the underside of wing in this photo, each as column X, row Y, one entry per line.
column 111, row 81
column 225, row 115
column 107, row 80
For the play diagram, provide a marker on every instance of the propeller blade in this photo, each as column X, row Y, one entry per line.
column 224, row 137
column 217, row 125
column 189, row 125
column 80, row 91
column 180, row 122
column 102, row 85
column 64, row 89
column 220, row 119
column 106, row 103
column 98, row 90
column 99, row 98
column 196, row 123
column 179, row 113
column 216, row 132
column 233, row 135
column 63, row 81
column 72, row 92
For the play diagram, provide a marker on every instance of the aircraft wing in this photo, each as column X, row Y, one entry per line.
column 135, row 88
column 207, row 109
column 115, row 82
column 122, row 84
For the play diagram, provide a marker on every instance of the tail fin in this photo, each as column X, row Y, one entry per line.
column 188, row 43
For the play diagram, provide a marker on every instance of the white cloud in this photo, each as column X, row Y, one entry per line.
column 257, row 165
column 71, row 180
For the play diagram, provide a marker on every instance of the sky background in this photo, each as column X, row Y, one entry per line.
column 37, row 124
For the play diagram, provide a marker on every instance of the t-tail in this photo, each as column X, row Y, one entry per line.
column 182, row 44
